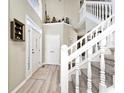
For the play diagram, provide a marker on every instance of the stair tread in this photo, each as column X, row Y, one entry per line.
column 82, row 85
column 110, row 62
column 108, row 69
column 95, row 81
column 71, row 88
column 109, row 56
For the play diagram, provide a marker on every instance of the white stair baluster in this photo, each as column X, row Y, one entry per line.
column 102, row 11
column 97, row 11
column 102, row 86
column 89, row 80
column 64, row 69
column 110, row 10
column 89, row 72
column 106, row 11
column 77, row 75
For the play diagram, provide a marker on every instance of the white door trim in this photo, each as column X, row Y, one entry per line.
column 31, row 24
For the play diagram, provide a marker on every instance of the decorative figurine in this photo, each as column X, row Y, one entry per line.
column 47, row 19
column 67, row 20
column 59, row 20
column 63, row 19
column 54, row 20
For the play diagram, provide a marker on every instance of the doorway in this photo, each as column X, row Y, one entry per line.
column 52, row 49
column 33, row 47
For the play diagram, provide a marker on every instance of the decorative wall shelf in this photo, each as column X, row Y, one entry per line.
column 17, row 30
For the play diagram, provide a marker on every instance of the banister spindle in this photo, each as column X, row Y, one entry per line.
column 106, row 11
column 89, row 73
column 97, row 11
column 110, row 10
column 77, row 75
column 102, row 11
column 64, row 69
column 102, row 86
column 89, row 87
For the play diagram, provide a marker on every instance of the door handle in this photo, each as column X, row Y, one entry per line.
column 32, row 51
column 52, row 51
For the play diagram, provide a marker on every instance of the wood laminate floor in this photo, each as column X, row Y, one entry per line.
column 44, row 80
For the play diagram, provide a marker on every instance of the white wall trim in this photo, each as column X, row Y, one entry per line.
column 37, row 11
column 20, row 85
column 33, row 24
column 30, row 22
column 51, row 64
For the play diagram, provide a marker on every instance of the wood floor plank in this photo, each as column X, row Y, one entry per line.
column 42, row 73
column 47, row 84
column 26, row 86
column 44, row 80
column 54, row 83
column 36, row 86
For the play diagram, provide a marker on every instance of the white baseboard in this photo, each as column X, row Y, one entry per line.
column 20, row 85
column 50, row 64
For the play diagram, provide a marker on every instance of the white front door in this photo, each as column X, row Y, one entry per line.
column 36, row 48
column 52, row 49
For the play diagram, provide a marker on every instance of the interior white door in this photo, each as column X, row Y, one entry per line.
column 36, row 48
column 52, row 49
column 33, row 47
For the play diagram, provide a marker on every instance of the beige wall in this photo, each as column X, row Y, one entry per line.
column 64, row 8
column 90, row 24
column 71, row 10
column 18, row 9
column 55, row 8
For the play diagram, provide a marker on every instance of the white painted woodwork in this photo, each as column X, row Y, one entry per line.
column 52, row 49
column 33, row 46
column 29, row 54
column 102, row 86
column 77, row 75
column 64, row 69
column 89, row 79
column 91, row 48
column 90, row 10
column 107, row 30
column 36, row 48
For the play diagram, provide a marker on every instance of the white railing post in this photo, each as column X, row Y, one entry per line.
column 64, row 69
column 97, row 10
column 106, row 11
column 102, row 86
column 77, row 75
column 89, row 80
column 89, row 72
column 102, row 11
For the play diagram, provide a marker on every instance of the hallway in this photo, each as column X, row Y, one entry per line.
column 44, row 80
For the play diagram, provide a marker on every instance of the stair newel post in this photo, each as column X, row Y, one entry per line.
column 64, row 69
column 77, row 75
column 89, row 72
column 102, row 86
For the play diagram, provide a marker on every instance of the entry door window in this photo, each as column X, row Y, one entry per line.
column 37, row 6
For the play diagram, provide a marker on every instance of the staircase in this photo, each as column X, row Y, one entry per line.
column 87, row 66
